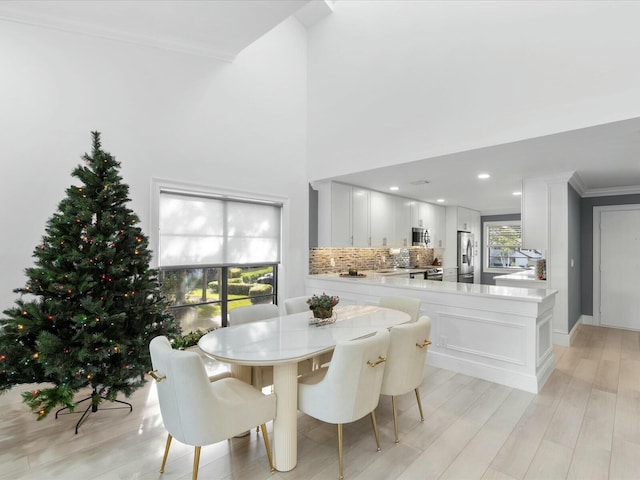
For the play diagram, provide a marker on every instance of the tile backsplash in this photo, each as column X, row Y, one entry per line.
column 363, row 259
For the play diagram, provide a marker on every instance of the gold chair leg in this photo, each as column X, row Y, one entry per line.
column 419, row 405
column 375, row 427
column 196, row 462
column 395, row 417
column 166, row 452
column 341, row 477
column 265, row 437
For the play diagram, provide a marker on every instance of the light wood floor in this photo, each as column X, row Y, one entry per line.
column 585, row 424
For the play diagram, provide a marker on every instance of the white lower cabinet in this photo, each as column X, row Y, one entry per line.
column 450, row 275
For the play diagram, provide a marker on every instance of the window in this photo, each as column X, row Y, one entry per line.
column 503, row 250
column 215, row 253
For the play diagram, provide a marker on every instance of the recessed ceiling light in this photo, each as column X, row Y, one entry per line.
column 440, row 200
column 394, row 188
column 483, row 176
column 517, row 193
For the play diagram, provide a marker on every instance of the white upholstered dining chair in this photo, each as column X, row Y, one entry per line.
column 253, row 313
column 261, row 376
column 296, row 305
column 349, row 388
column 196, row 411
column 299, row 305
column 403, row 373
column 408, row 305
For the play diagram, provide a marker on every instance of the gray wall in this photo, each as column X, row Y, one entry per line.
column 574, row 244
column 586, row 234
column 313, row 217
column 487, row 278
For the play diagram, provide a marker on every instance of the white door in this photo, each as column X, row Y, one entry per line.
column 619, row 267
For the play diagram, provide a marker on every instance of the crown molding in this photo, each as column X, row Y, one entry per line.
column 612, row 191
column 46, row 21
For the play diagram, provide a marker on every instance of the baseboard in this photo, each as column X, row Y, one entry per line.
column 566, row 339
column 491, row 373
column 587, row 320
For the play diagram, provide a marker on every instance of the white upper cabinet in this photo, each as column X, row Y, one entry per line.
column 534, row 214
column 438, row 233
column 466, row 219
column 402, row 222
column 360, row 217
column 350, row 216
column 382, row 219
column 340, row 196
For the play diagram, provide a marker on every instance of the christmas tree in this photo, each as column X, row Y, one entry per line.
column 91, row 304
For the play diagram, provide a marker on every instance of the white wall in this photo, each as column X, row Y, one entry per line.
column 239, row 126
column 397, row 81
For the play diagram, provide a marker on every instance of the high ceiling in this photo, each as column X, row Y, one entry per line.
column 605, row 158
column 218, row 28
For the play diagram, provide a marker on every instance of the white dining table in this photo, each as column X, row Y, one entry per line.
column 283, row 342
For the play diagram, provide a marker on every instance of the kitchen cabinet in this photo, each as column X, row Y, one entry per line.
column 466, row 219
column 350, row 216
column 450, row 275
column 432, row 217
column 534, row 222
column 382, row 219
column 402, row 222
column 360, row 217
column 340, row 197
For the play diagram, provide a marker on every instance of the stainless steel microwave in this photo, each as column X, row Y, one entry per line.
column 420, row 237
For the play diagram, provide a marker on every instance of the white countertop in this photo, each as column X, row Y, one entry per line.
column 528, row 275
column 418, row 283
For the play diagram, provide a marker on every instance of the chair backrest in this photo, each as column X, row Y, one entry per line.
column 408, row 305
column 187, row 405
column 351, row 385
column 296, row 305
column 406, row 360
column 253, row 313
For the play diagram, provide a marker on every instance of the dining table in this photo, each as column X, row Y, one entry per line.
column 284, row 341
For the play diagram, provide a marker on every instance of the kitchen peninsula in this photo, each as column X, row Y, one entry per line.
column 501, row 334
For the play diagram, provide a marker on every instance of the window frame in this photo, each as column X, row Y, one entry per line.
column 160, row 185
column 485, row 247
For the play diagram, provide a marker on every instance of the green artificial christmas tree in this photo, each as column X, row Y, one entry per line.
column 91, row 304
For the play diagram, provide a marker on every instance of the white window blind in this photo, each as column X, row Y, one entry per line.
column 201, row 230
column 505, row 235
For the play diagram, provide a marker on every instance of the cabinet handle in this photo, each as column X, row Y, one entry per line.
column 426, row 343
column 155, row 376
column 377, row 362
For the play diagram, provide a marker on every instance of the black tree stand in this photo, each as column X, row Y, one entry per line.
column 93, row 407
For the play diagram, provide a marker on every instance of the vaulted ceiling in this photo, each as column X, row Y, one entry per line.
column 605, row 158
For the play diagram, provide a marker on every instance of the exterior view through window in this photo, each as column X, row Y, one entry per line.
column 503, row 250
column 198, row 296
column 216, row 253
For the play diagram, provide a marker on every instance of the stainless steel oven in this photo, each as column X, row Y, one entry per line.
column 433, row 274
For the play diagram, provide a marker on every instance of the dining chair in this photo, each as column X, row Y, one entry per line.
column 253, row 313
column 198, row 412
column 408, row 344
column 349, row 388
column 261, row 376
column 296, row 305
column 408, row 305
column 299, row 305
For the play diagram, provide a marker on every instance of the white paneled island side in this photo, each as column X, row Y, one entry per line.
column 500, row 334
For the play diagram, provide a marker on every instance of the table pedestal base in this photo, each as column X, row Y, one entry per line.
column 285, row 444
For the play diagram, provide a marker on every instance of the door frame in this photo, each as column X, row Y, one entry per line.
column 597, row 214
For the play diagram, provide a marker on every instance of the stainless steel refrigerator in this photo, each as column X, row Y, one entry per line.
column 465, row 257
